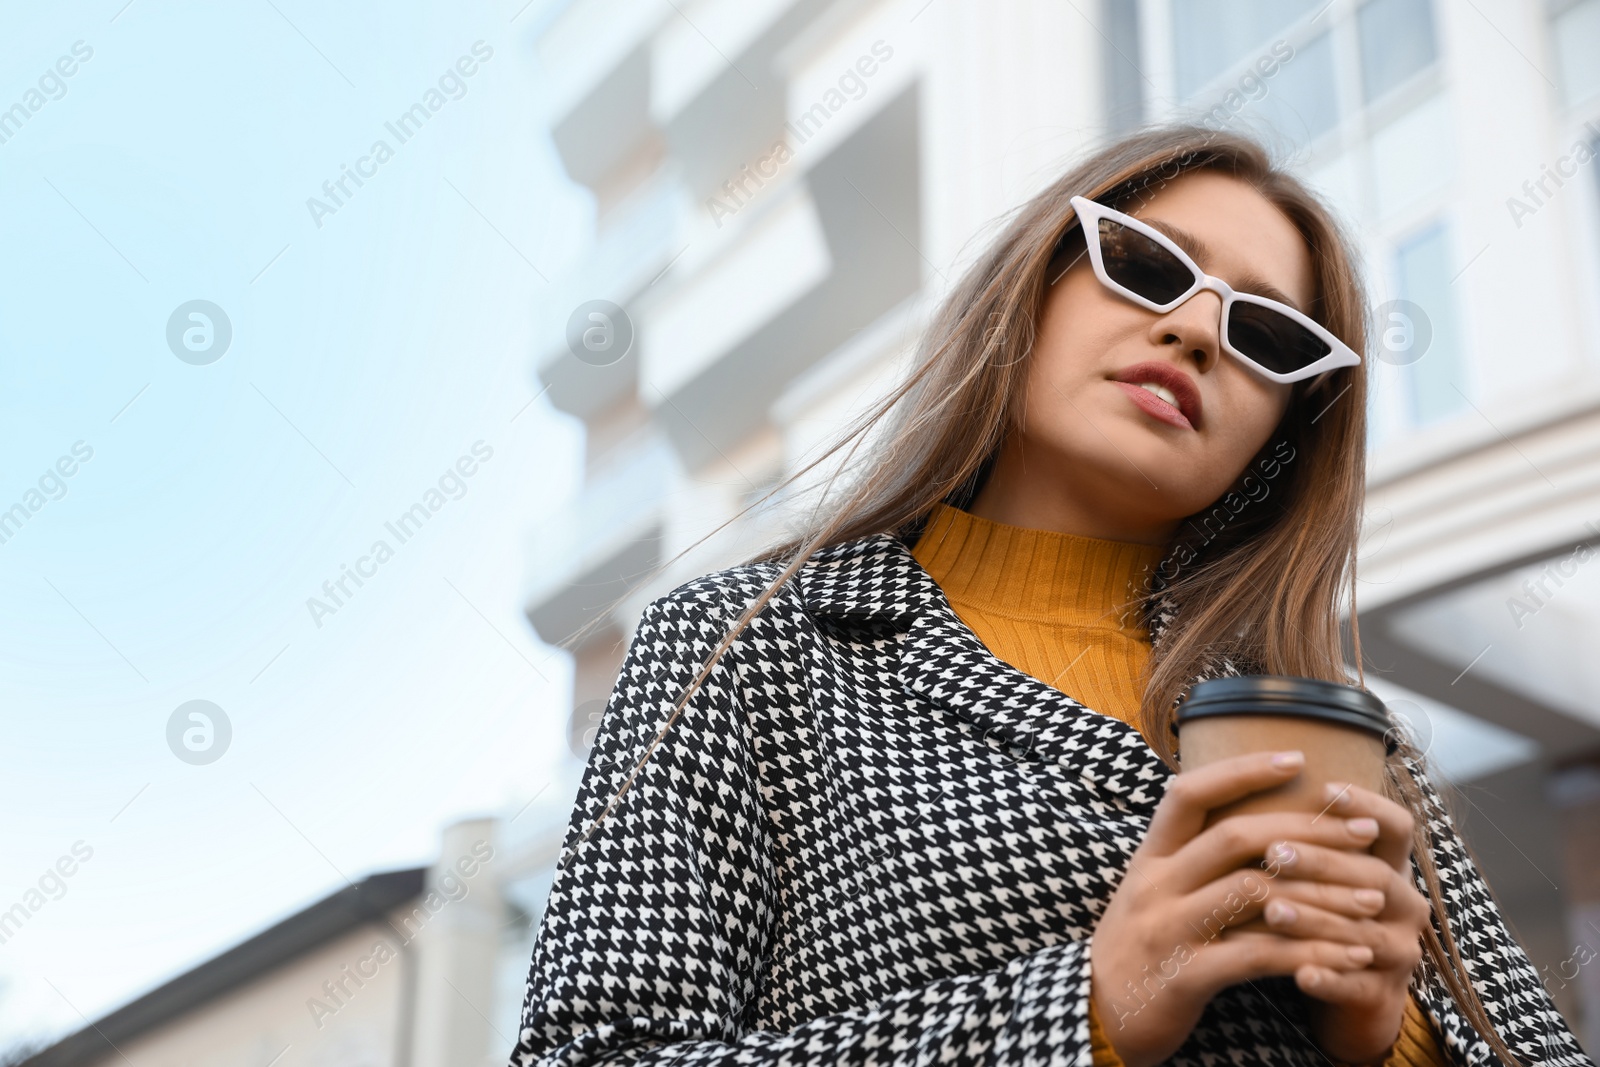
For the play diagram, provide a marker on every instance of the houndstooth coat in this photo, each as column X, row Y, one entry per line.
column 866, row 840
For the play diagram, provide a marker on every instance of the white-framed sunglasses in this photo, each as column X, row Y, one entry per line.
column 1139, row 262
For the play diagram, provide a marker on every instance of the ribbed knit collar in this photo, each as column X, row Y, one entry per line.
column 1035, row 574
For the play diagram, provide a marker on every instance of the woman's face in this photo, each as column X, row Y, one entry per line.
column 1087, row 457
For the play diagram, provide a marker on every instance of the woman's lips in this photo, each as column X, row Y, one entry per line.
column 1154, row 405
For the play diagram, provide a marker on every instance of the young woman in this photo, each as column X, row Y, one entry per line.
column 905, row 790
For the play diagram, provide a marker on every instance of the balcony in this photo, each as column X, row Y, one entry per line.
column 639, row 239
column 595, row 60
column 590, row 553
column 808, row 269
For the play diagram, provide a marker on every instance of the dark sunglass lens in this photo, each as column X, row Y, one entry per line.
column 1137, row 263
column 1272, row 339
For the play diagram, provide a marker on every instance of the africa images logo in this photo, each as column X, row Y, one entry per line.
column 199, row 332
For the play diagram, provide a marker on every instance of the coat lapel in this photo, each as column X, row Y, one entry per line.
column 877, row 583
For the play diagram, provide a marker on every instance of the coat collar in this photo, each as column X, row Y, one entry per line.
column 875, row 583
column 878, row 579
column 873, row 579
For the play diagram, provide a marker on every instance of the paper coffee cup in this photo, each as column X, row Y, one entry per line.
column 1344, row 731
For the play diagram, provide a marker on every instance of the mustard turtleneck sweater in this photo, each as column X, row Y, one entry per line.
column 1064, row 609
column 1057, row 606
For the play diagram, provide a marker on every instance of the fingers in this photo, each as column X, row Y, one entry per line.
column 1191, row 795
column 1395, row 945
column 1392, row 932
column 1242, row 839
column 1395, row 823
column 1239, row 956
column 1230, row 901
column 1312, row 862
column 1303, row 909
column 1350, row 901
column 1317, row 910
column 1296, row 919
column 1324, row 911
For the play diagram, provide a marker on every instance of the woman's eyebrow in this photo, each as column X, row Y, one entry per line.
column 1253, row 284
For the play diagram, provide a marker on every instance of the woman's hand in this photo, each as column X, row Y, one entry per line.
column 1355, row 1013
column 1160, row 943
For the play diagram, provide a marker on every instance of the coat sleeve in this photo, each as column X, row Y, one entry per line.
column 658, row 929
column 1516, row 1001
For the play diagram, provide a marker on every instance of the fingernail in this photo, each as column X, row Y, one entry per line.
column 1363, row 827
column 1281, row 853
column 1337, row 794
column 1286, row 760
column 1313, row 978
column 1359, row 954
column 1370, row 898
column 1281, row 913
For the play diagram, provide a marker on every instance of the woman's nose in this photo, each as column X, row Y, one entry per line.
column 1195, row 326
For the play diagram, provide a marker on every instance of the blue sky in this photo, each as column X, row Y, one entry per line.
column 368, row 355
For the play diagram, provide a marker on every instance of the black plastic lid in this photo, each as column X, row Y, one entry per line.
column 1280, row 694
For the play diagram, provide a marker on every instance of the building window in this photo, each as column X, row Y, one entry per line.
column 1437, row 379
column 1214, row 35
column 1124, row 84
column 1576, row 28
column 1397, row 42
column 1219, row 45
column 1300, row 102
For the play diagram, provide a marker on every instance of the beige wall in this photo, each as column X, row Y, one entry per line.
column 411, row 991
column 275, row 1014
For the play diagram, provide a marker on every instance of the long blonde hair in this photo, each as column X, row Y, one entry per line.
column 1256, row 585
